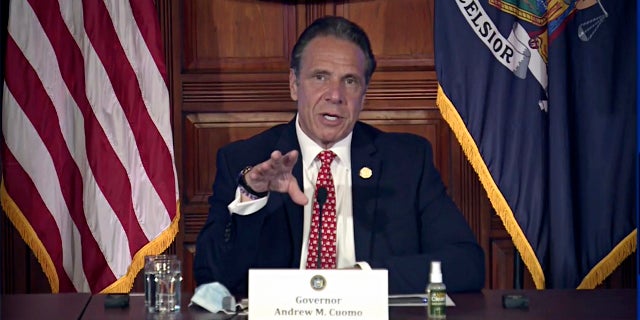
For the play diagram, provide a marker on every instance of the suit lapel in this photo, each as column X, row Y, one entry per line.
column 364, row 191
column 365, row 175
column 287, row 142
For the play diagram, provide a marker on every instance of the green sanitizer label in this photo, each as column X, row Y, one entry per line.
column 437, row 304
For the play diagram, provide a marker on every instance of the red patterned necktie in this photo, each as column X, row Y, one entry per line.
column 328, row 241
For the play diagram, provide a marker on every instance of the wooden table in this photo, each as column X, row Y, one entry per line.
column 543, row 304
column 599, row 304
column 44, row 306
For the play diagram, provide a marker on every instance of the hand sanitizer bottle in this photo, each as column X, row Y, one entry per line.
column 437, row 293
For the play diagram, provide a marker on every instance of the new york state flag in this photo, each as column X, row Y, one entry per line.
column 542, row 97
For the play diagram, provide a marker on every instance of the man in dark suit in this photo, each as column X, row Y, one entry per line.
column 391, row 207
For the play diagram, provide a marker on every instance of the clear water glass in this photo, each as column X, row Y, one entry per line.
column 162, row 283
column 168, row 285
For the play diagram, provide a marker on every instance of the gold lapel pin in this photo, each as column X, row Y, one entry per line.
column 365, row 173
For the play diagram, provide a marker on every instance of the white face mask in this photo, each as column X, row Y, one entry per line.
column 214, row 297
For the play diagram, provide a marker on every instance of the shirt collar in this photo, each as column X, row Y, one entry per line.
column 309, row 149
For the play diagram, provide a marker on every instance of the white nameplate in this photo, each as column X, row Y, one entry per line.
column 318, row 294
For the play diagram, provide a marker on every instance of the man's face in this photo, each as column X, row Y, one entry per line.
column 330, row 89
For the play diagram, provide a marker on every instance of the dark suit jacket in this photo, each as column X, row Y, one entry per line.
column 403, row 217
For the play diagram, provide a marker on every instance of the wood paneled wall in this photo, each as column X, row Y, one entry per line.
column 228, row 79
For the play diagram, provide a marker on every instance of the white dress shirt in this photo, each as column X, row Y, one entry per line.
column 341, row 171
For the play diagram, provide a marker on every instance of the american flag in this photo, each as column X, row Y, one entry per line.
column 89, row 179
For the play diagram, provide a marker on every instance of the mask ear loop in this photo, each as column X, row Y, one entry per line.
column 236, row 309
column 243, row 306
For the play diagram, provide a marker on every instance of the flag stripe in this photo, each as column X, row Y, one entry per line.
column 41, row 113
column 97, row 144
column 66, row 48
column 153, row 88
column 147, row 66
column 154, row 153
column 112, row 178
column 128, row 166
column 148, row 24
column 152, row 84
column 32, row 156
column 92, row 187
column 40, row 223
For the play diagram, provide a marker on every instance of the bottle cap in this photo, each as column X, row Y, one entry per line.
column 436, row 273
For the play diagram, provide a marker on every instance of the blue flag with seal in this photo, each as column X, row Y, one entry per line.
column 541, row 96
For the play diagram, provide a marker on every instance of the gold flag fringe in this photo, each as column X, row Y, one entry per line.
column 598, row 273
column 122, row 285
column 30, row 237
column 451, row 115
column 156, row 246
column 609, row 263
